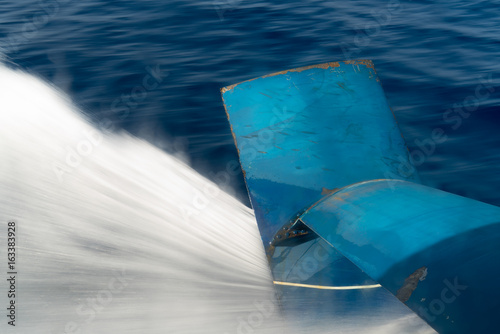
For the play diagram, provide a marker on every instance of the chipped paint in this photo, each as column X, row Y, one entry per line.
column 364, row 62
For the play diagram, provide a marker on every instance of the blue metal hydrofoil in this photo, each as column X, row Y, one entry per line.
column 340, row 208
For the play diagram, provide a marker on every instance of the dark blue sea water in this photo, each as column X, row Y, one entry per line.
column 439, row 63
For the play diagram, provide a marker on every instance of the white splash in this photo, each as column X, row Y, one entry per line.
column 111, row 236
column 104, row 244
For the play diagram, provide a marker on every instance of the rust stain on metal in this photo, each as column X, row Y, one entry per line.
column 326, row 191
column 266, row 95
column 365, row 62
column 322, row 199
column 270, row 252
column 342, row 86
column 411, row 283
column 299, row 69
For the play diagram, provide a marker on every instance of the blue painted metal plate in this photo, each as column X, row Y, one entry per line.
column 300, row 135
column 437, row 252
column 312, row 143
column 304, row 132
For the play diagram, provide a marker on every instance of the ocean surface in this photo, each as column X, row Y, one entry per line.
column 438, row 61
